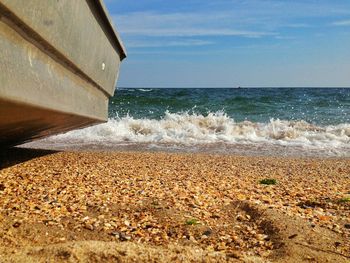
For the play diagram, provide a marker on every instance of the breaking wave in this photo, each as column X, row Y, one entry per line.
column 195, row 129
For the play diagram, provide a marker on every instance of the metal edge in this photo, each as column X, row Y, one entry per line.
column 108, row 22
column 39, row 133
column 35, row 106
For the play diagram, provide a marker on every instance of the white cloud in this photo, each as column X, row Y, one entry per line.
column 184, row 25
column 189, row 32
column 285, row 37
column 342, row 23
column 179, row 23
column 164, row 43
column 297, row 25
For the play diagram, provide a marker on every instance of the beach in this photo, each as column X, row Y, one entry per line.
column 181, row 207
column 225, row 139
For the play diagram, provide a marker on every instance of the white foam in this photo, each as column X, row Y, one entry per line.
column 194, row 129
column 145, row 90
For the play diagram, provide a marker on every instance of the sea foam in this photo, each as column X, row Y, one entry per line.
column 194, row 129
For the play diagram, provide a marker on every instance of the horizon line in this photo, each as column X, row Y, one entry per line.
column 238, row 87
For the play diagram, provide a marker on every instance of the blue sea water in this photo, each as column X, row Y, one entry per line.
column 250, row 121
column 319, row 106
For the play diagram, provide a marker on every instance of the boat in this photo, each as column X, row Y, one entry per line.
column 59, row 62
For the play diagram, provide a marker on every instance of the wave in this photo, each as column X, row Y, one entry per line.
column 145, row 90
column 194, row 129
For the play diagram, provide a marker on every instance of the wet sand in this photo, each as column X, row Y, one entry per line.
column 161, row 207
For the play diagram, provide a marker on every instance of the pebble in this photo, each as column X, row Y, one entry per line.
column 150, row 196
column 89, row 226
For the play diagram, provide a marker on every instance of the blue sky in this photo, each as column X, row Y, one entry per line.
column 229, row 43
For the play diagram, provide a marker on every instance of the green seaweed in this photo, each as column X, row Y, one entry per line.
column 192, row 222
column 268, row 181
column 344, row 200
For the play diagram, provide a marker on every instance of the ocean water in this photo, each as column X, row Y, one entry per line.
column 246, row 121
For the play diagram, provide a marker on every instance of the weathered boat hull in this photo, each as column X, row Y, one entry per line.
column 59, row 61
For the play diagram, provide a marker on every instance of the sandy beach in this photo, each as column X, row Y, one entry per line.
column 224, row 137
column 161, row 207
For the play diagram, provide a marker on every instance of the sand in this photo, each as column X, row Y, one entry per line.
column 167, row 207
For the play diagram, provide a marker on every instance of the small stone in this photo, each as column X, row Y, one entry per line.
column 234, row 254
column 347, row 226
column 324, row 218
column 115, row 234
column 310, row 258
column 123, row 229
column 89, row 226
column 16, row 224
column 221, row 246
column 335, row 226
column 192, row 238
column 241, row 197
column 210, row 248
column 207, row 232
column 239, row 217
column 123, row 237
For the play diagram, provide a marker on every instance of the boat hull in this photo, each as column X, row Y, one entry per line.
column 53, row 78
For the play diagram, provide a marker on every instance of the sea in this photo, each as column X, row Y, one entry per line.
column 299, row 122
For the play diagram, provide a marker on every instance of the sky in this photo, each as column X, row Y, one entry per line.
column 231, row 43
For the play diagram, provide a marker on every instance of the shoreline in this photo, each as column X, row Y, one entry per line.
column 202, row 205
column 234, row 149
